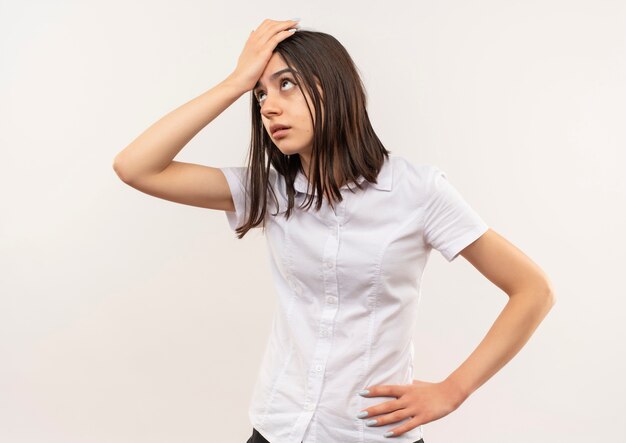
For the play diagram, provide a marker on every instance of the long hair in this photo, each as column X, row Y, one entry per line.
column 345, row 134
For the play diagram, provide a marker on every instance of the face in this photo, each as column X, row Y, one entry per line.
column 282, row 102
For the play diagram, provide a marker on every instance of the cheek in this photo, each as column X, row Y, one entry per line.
column 307, row 126
column 304, row 119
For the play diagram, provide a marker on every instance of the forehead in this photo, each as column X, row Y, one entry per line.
column 275, row 63
column 274, row 68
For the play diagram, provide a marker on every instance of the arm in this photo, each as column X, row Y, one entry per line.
column 147, row 164
column 531, row 297
column 156, row 147
column 153, row 151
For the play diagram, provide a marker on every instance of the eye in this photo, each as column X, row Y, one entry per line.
column 282, row 80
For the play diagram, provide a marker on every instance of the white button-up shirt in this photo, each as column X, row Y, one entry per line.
column 348, row 286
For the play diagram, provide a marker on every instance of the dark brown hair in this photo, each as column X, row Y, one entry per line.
column 345, row 136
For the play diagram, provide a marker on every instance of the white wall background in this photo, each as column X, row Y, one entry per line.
column 126, row 318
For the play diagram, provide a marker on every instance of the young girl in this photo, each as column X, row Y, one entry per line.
column 349, row 230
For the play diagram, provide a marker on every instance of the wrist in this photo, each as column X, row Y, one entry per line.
column 234, row 83
column 457, row 390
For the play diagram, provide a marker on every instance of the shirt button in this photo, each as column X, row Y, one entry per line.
column 318, row 368
column 324, row 333
column 330, row 299
column 308, row 406
column 329, row 265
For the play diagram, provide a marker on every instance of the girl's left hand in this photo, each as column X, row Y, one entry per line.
column 422, row 401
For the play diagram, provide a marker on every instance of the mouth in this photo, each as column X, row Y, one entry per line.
column 280, row 132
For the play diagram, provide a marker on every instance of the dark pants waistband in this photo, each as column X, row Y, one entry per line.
column 256, row 437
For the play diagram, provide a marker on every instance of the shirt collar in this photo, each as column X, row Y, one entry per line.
column 384, row 180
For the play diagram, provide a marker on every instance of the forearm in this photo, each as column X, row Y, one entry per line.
column 511, row 330
column 157, row 146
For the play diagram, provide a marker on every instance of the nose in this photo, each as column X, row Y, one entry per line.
column 271, row 106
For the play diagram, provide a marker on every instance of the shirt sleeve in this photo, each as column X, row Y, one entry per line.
column 236, row 177
column 450, row 223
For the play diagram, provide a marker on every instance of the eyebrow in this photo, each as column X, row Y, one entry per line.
column 272, row 77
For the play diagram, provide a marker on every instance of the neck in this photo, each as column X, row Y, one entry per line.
column 306, row 166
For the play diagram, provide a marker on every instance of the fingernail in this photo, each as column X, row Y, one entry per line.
column 388, row 434
column 364, row 392
column 370, row 422
column 362, row 414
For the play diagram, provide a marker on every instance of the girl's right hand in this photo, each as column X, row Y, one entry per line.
column 259, row 49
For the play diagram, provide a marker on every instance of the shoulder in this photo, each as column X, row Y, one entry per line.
column 419, row 177
column 420, row 171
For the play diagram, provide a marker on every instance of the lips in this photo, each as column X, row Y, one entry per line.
column 277, row 127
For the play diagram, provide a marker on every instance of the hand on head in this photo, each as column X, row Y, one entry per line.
column 259, row 48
